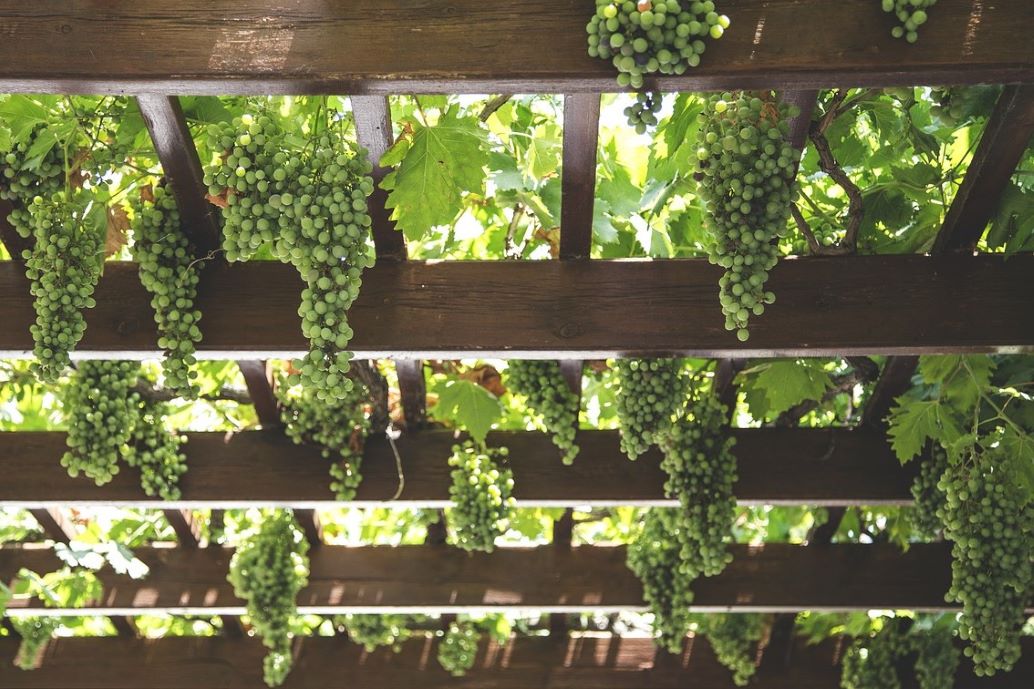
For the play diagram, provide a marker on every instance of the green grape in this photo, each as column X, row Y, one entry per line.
column 35, row 632
column 990, row 521
column 548, row 394
column 101, row 408
column 63, row 267
column 267, row 571
column 655, row 557
column 458, row 649
column 339, row 426
column 22, row 180
column 958, row 105
column 937, row 658
column 911, row 14
column 651, row 37
column 156, row 450
column 734, row 638
column 929, row 498
column 869, row 662
column 374, row 631
column 308, row 203
column 481, row 493
column 650, row 392
column 170, row 274
column 746, row 179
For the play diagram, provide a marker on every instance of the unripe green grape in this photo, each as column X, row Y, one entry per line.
column 650, row 392
column 458, row 648
column 481, row 494
column 734, row 638
column 548, row 395
column 911, row 14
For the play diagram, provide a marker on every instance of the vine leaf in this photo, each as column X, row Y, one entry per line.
column 468, row 405
column 913, row 422
column 772, row 388
column 435, row 169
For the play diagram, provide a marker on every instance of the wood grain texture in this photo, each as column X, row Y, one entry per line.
column 258, row 379
column 429, row 579
column 501, row 46
column 776, row 466
column 373, row 129
column 583, row 662
column 578, row 174
column 825, row 306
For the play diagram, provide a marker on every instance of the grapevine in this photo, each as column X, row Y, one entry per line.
column 481, row 495
column 990, row 521
column 655, row 557
column 308, row 202
column 374, row 631
column 910, row 13
column 268, row 570
column 734, row 638
column 649, row 393
column 458, row 649
column 339, row 426
column 746, row 172
column 929, row 498
column 21, row 182
column 156, row 450
column 548, row 395
column 35, row 633
column 170, row 274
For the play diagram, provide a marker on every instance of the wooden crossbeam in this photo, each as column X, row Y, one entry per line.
column 578, row 174
column 56, row 526
column 826, row 306
column 776, row 466
column 432, row 579
column 581, row 662
column 188, row 529
column 369, row 46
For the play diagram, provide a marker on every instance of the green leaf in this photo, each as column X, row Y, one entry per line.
column 543, row 156
column 468, row 405
column 5, row 138
column 914, row 422
column 435, row 170
column 1019, row 448
column 784, row 384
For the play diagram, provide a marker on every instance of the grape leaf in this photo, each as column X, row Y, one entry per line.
column 5, row 138
column 468, row 405
column 784, row 384
column 914, row 422
column 543, row 156
column 435, row 170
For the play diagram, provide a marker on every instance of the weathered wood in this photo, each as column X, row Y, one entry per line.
column 309, row 521
column 826, row 306
column 578, row 174
column 188, row 529
column 776, row 466
column 429, row 579
column 413, row 392
column 182, row 167
column 257, row 376
column 373, row 130
column 804, row 100
column 394, row 46
column 55, row 525
column 124, row 626
column 893, row 382
column 1005, row 138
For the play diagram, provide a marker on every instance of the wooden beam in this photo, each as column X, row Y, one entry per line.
column 425, row 579
column 309, row 521
column 578, row 174
column 182, row 167
column 804, row 100
column 373, row 129
column 55, row 525
column 894, row 381
column 413, row 392
column 369, row 46
column 782, row 466
column 258, row 377
column 188, row 529
column 826, row 306
column 124, row 626
column 581, row 662
column 1002, row 145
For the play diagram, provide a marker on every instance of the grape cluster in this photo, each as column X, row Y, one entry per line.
column 937, row 658
column 929, row 498
column 339, row 426
column 481, row 494
column 170, row 274
column 734, row 638
column 101, row 408
column 267, row 571
column 308, row 202
column 655, row 557
column 63, row 266
column 990, row 521
column 870, row 661
column 22, row 180
column 156, row 451
column 746, row 174
column 701, row 470
column 650, row 392
column 35, row 632
column 374, row 631
column 957, row 105
column 911, row 14
column 458, row 649
column 643, row 113
column 548, row 394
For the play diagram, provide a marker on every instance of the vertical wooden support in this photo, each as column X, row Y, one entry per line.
column 258, row 377
column 373, row 129
column 578, row 175
column 413, row 390
column 56, row 526
column 188, row 530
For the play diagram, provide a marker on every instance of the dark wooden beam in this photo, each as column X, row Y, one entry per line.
column 804, row 100
column 894, row 381
column 563, row 531
column 1002, row 145
column 826, row 306
column 313, row 46
column 182, row 168
column 259, row 380
column 783, row 466
column 373, row 130
column 767, row 578
column 124, row 626
column 309, row 521
column 188, row 529
column 413, row 392
column 56, row 526
column 578, row 174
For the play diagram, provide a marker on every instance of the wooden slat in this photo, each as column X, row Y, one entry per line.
column 55, row 525
column 309, row 521
column 582, row 662
column 188, row 530
column 1002, row 145
column 893, row 382
column 182, row 167
column 370, row 46
column 578, row 175
column 433, row 579
column 776, row 466
column 826, row 306
column 373, row 130
column 124, row 626
column 805, row 101
column 257, row 376
column 413, row 391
